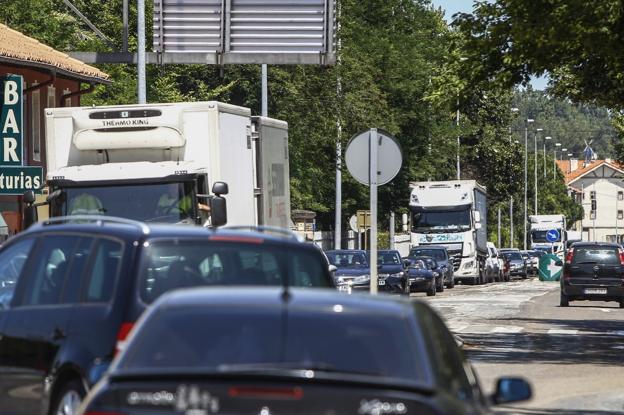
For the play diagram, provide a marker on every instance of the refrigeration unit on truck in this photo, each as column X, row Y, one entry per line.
column 452, row 214
column 548, row 233
column 157, row 163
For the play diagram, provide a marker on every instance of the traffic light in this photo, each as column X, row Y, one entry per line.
column 593, row 205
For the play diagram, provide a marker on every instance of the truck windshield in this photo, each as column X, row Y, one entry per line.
column 161, row 202
column 437, row 221
column 540, row 236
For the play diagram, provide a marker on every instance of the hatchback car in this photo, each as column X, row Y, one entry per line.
column 421, row 277
column 352, row 269
column 269, row 350
column 391, row 273
column 517, row 264
column 85, row 281
column 593, row 272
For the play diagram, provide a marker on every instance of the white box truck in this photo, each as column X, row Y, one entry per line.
column 452, row 214
column 548, row 233
column 157, row 162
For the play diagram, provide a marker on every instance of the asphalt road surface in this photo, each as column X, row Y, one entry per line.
column 573, row 356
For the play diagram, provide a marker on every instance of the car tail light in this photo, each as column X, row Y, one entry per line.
column 122, row 335
column 271, row 393
column 621, row 256
column 570, row 256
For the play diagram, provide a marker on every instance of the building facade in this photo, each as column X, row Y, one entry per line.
column 599, row 186
column 50, row 79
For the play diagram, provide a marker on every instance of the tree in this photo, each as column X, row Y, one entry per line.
column 578, row 42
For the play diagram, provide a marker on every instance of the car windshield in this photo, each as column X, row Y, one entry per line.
column 388, row 258
column 162, row 202
column 214, row 339
column 438, row 254
column 170, row 264
column 347, row 259
column 513, row 255
column 596, row 254
column 436, row 221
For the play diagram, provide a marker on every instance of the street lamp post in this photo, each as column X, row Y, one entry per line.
column 458, row 144
column 555, row 159
column 545, row 138
column 535, row 167
column 511, row 220
column 526, row 158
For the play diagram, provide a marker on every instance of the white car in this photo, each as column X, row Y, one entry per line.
column 493, row 264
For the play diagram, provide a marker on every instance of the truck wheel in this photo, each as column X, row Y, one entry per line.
column 432, row 290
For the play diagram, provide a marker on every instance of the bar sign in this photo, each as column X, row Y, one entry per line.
column 11, row 121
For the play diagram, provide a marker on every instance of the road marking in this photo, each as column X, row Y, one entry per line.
column 616, row 333
column 508, row 329
column 605, row 310
column 562, row 331
column 457, row 329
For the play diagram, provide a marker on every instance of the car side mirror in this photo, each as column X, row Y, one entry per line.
column 218, row 211
column 477, row 216
column 406, row 263
column 559, row 263
column 220, row 188
column 511, row 390
column 332, row 270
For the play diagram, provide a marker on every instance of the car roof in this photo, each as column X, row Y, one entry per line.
column 300, row 299
column 606, row 244
column 134, row 229
column 429, row 247
column 346, row 251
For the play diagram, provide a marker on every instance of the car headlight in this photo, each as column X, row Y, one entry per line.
column 398, row 274
column 362, row 279
column 436, row 274
column 340, row 281
column 469, row 264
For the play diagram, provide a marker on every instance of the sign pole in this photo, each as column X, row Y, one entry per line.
column 373, row 209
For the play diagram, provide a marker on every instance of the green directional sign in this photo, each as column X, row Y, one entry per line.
column 548, row 270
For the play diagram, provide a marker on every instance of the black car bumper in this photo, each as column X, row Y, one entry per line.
column 424, row 285
column 593, row 292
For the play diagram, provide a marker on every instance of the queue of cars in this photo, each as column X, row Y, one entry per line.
column 112, row 316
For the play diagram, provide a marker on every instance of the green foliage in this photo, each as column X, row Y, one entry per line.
column 578, row 42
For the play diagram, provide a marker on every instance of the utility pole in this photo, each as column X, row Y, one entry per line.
column 458, row 144
column 535, row 168
column 499, row 227
column 338, row 202
column 545, row 139
column 511, row 235
column 141, row 93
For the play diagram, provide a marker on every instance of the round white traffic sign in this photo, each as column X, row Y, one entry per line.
column 353, row 224
column 389, row 157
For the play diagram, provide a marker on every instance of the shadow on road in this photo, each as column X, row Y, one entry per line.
column 536, row 411
column 602, row 343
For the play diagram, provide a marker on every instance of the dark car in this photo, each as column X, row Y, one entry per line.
column 594, row 272
column 517, row 264
column 440, row 254
column 266, row 350
column 435, row 268
column 391, row 273
column 86, row 281
column 352, row 269
column 421, row 277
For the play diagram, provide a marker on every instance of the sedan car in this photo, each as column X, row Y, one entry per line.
column 517, row 264
column 352, row 269
column 421, row 277
column 441, row 256
column 268, row 350
column 391, row 274
column 593, row 272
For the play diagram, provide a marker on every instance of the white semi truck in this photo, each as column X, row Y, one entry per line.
column 452, row 214
column 157, row 162
column 548, row 233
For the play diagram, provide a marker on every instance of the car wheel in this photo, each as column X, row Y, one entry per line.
column 451, row 283
column 440, row 286
column 68, row 399
column 432, row 290
column 563, row 300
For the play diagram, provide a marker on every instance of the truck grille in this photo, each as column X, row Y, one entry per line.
column 456, row 257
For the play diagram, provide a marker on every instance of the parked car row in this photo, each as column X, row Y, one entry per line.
column 111, row 316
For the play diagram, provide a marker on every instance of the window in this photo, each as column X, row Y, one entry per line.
column 592, row 214
column 620, row 195
column 620, row 214
column 104, row 272
column 76, row 274
column 50, row 267
column 592, row 194
column 35, row 125
column 12, row 260
column 51, row 97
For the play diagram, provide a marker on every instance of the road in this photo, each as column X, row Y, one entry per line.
column 572, row 356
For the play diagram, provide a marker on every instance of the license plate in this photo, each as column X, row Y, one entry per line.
column 595, row 291
column 382, row 282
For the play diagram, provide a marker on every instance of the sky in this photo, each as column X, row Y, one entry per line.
column 453, row 6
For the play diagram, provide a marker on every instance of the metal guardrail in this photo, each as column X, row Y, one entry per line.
column 98, row 219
